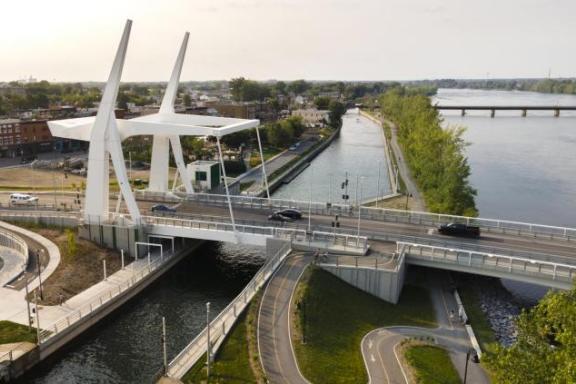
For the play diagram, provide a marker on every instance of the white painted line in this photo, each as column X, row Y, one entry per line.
column 400, row 364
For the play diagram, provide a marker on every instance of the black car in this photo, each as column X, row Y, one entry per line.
column 294, row 214
column 278, row 217
column 162, row 208
column 455, row 229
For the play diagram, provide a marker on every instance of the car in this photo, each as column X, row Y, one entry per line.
column 456, row 229
column 278, row 217
column 22, row 199
column 293, row 214
column 292, row 148
column 162, row 208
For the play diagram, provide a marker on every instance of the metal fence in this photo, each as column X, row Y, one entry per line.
column 56, row 327
column 221, row 325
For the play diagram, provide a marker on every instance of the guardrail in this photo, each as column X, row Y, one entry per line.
column 272, row 231
column 221, row 325
column 56, row 327
column 17, row 244
column 342, row 239
column 371, row 213
column 546, row 270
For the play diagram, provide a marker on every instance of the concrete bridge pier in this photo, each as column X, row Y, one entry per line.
column 492, row 113
column 463, row 112
column 557, row 112
column 524, row 113
column 113, row 236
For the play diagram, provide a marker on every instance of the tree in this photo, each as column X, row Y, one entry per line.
column 322, row 102
column 187, row 100
column 546, row 346
column 337, row 110
column 298, row 86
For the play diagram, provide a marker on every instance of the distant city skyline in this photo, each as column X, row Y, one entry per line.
column 291, row 39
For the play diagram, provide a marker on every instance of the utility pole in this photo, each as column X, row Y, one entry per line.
column 359, row 213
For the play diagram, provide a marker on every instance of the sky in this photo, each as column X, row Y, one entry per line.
column 74, row 40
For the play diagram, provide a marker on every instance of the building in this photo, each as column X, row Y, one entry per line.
column 30, row 137
column 205, row 175
column 237, row 110
column 313, row 118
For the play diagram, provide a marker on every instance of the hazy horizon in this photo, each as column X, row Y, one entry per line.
column 391, row 40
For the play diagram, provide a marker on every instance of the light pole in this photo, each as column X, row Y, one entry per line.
column 466, row 366
column 39, row 275
column 378, row 185
column 359, row 211
column 37, row 319
column 164, row 353
column 208, row 341
column 27, row 301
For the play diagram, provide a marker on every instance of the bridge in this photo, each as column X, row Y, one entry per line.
column 493, row 108
column 521, row 251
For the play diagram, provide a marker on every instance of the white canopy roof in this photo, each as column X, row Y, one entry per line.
column 156, row 124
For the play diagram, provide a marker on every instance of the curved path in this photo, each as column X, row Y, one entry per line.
column 379, row 347
column 274, row 342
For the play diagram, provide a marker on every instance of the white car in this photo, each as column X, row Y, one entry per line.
column 22, row 199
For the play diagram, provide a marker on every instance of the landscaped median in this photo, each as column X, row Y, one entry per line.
column 331, row 317
column 427, row 364
column 237, row 361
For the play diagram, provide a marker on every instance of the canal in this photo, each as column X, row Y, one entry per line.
column 125, row 347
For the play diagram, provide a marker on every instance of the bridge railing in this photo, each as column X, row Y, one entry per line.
column 272, row 231
column 17, row 244
column 138, row 274
column 380, row 214
column 540, row 269
column 223, row 322
column 342, row 239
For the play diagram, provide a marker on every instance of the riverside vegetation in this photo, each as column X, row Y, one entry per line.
column 435, row 155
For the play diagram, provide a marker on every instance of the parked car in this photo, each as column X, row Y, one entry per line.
column 278, row 217
column 292, row 148
column 162, row 208
column 463, row 230
column 293, row 214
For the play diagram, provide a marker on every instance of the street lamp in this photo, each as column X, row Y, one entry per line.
column 359, row 186
column 39, row 275
column 208, row 341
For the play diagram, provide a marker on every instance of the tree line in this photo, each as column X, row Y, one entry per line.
column 560, row 86
column 435, row 155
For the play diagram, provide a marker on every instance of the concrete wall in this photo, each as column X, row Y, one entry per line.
column 113, row 236
column 383, row 283
column 46, row 220
column 27, row 361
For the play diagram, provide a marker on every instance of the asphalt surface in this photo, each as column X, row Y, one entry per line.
column 274, row 340
column 540, row 248
column 380, row 346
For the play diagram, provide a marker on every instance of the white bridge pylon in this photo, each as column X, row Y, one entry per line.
column 105, row 133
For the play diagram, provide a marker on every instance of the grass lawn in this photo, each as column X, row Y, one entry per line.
column 15, row 333
column 431, row 365
column 477, row 319
column 237, row 361
column 337, row 317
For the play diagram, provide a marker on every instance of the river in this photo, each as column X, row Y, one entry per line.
column 522, row 167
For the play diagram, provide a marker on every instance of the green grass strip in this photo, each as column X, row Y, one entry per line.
column 336, row 316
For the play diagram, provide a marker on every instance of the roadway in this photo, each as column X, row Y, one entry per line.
column 507, row 244
column 541, row 248
column 380, row 346
column 274, row 339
